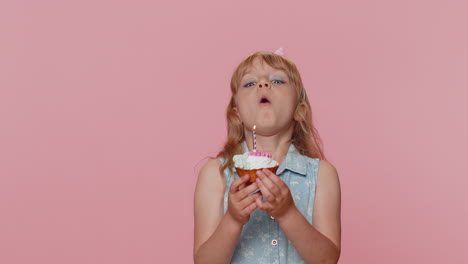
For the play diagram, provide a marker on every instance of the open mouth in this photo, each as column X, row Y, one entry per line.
column 264, row 100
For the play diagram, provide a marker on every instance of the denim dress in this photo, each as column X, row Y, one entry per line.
column 262, row 241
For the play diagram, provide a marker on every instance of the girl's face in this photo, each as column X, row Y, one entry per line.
column 265, row 98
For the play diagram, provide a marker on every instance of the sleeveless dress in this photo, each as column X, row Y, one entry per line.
column 262, row 241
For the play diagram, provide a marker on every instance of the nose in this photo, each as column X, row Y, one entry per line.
column 264, row 84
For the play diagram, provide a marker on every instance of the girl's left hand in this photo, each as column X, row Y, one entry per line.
column 278, row 197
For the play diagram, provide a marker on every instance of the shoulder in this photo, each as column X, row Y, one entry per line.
column 211, row 166
column 328, row 176
column 326, row 168
column 210, row 188
column 210, row 176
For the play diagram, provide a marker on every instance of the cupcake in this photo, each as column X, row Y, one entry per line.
column 250, row 162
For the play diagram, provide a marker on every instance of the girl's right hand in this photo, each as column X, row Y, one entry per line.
column 240, row 204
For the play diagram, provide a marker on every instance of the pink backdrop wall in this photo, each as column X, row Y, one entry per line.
column 108, row 108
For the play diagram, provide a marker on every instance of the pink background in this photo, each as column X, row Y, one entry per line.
column 109, row 108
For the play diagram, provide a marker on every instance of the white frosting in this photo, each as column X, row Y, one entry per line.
column 246, row 162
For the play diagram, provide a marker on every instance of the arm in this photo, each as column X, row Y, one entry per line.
column 216, row 234
column 318, row 243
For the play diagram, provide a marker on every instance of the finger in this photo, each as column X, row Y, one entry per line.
column 259, row 203
column 242, row 186
column 274, row 178
column 238, row 182
column 283, row 188
column 265, row 191
column 246, row 202
column 248, row 190
column 265, row 206
column 275, row 190
column 249, row 209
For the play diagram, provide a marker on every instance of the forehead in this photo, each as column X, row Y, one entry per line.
column 259, row 64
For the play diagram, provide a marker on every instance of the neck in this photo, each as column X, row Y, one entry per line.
column 277, row 144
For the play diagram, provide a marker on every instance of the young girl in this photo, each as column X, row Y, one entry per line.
column 295, row 217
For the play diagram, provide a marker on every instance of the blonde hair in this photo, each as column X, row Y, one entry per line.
column 305, row 137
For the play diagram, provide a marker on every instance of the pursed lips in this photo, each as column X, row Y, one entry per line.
column 264, row 100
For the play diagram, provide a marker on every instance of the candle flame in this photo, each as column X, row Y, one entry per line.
column 254, row 127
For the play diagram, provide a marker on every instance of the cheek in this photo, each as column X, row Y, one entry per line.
column 289, row 97
column 244, row 99
column 291, row 105
column 241, row 106
column 243, row 112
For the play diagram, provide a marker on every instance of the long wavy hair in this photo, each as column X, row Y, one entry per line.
column 305, row 137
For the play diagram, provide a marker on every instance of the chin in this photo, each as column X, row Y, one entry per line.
column 266, row 129
column 269, row 129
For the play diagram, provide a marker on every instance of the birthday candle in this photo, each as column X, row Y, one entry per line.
column 254, row 139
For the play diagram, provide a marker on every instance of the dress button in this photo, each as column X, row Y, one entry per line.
column 272, row 217
column 274, row 242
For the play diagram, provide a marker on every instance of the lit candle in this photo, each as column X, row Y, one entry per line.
column 254, row 139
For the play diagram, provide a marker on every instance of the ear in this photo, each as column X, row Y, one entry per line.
column 300, row 112
column 236, row 112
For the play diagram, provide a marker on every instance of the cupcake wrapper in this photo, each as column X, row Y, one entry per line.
column 253, row 173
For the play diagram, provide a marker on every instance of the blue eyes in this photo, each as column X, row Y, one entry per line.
column 250, row 84
column 278, row 82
